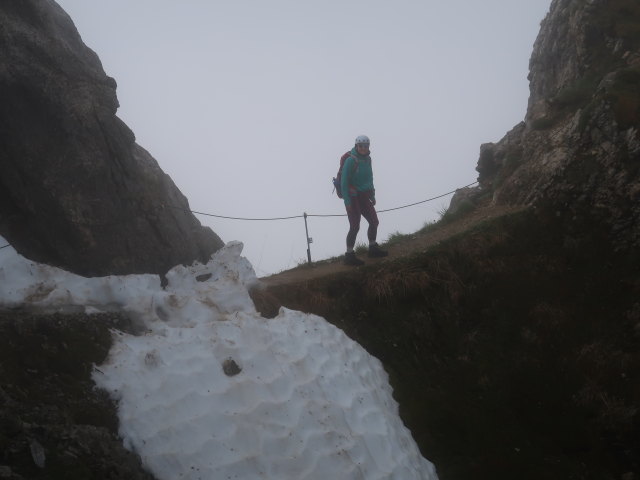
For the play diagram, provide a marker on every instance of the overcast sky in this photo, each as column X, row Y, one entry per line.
column 248, row 104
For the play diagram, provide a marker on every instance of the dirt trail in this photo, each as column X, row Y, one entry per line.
column 415, row 242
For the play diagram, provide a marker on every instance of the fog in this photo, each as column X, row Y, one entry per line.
column 248, row 105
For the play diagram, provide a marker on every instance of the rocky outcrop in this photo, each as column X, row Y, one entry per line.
column 76, row 190
column 578, row 148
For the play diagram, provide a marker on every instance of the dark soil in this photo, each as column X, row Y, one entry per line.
column 54, row 423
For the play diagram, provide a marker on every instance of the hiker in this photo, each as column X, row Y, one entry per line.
column 359, row 199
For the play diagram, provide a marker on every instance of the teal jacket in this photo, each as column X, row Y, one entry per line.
column 357, row 176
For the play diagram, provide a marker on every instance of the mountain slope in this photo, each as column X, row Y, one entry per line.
column 513, row 347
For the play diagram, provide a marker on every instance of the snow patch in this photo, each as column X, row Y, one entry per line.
column 214, row 391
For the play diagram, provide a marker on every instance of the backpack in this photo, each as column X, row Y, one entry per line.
column 337, row 180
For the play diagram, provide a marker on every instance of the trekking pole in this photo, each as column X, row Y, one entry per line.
column 309, row 239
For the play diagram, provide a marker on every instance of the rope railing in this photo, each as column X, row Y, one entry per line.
column 266, row 219
column 401, row 207
column 239, row 218
column 305, row 215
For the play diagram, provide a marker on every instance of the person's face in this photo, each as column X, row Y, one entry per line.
column 362, row 148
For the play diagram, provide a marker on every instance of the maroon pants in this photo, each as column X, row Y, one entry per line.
column 361, row 206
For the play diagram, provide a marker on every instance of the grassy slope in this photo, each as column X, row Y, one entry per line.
column 512, row 348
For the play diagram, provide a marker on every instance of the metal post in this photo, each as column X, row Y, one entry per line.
column 309, row 239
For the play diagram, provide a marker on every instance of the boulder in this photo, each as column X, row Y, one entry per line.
column 76, row 189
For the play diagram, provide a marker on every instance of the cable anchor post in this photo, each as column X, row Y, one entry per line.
column 309, row 239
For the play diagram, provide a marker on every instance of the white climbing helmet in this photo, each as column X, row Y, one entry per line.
column 362, row 140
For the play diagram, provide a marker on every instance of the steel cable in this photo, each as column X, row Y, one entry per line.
column 321, row 215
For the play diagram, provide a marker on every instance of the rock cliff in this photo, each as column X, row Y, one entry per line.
column 76, row 190
column 578, row 147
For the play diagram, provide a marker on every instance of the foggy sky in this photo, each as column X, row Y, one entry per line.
column 249, row 104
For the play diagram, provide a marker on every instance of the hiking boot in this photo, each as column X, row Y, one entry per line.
column 351, row 259
column 376, row 252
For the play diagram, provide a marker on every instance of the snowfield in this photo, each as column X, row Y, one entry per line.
column 212, row 390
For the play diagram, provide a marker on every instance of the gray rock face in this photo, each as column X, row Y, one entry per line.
column 578, row 149
column 76, row 190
